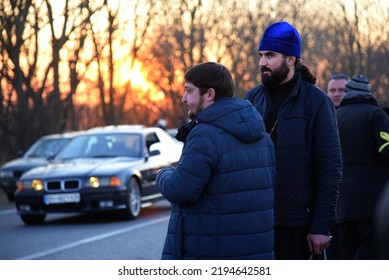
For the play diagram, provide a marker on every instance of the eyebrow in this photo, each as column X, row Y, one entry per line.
column 266, row 53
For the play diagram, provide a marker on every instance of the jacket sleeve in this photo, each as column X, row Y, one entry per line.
column 185, row 184
column 327, row 168
column 381, row 133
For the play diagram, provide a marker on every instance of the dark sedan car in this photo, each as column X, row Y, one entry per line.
column 104, row 169
column 40, row 153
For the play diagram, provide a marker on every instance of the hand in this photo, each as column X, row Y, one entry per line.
column 318, row 242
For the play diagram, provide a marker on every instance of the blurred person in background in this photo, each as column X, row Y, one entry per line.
column 364, row 138
column 335, row 88
column 161, row 123
column 301, row 120
column 222, row 189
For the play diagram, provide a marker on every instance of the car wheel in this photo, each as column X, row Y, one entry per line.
column 133, row 199
column 33, row 219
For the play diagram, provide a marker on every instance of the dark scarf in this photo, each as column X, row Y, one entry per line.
column 184, row 130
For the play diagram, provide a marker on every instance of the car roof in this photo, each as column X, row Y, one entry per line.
column 123, row 129
column 67, row 134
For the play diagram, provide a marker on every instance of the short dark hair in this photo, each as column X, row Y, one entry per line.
column 211, row 75
column 339, row 76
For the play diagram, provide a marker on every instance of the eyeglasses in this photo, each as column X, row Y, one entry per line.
column 338, row 76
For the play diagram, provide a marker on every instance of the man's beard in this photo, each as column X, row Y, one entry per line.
column 277, row 75
column 198, row 109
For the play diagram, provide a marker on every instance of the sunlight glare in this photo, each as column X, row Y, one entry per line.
column 138, row 78
column 135, row 75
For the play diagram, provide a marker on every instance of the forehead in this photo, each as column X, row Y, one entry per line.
column 337, row 83
column 269, row 52
column 189, row 85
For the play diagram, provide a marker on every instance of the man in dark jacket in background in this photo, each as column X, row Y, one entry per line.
column 301, row 121
column 364, row 138
column 222, row 189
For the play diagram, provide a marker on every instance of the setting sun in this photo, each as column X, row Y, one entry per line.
column 138, row 79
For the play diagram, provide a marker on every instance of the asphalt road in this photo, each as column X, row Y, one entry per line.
column 83, row 237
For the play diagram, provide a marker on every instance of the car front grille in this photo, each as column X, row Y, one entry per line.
column 67, row 185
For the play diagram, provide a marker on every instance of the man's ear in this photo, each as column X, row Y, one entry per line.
column 210, row 95
column 291, row 60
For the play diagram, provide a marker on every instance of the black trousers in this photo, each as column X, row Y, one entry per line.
column 357, row 241
column 333, row 252
column 291, row 243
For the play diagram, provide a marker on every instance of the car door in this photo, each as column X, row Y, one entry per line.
column 154, row 162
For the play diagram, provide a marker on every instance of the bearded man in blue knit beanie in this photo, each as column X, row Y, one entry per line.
column 301, row 120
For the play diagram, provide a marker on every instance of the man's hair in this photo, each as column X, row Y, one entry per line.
column 211, row 75
column 339, row 76
column 305, row 72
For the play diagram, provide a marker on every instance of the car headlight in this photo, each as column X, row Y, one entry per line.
column 6, row 174
column 95, row 182
column 31, row 184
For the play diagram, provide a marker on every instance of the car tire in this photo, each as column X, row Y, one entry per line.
column 134, row 199
column 33, row 219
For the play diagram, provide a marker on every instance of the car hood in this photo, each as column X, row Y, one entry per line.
column 82, row 168
column 23, row 164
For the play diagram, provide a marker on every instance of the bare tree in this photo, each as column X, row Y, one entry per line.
column 34, row 73
column 180, row 43
column 355, row 43
column 15, row 119
column 63, row 63
column 118, row 103
column 74, row 21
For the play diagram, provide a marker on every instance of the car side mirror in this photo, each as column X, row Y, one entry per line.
column 154, row 153
column 155, row 149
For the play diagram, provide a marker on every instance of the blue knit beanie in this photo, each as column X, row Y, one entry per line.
column 283, row 38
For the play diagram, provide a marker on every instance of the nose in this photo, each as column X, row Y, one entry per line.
column 184, row 98
column 262, row 61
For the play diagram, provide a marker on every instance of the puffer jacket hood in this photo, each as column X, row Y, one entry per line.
column 358, row 97
column 230, row 115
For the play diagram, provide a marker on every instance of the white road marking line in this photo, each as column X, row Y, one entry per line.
column 91, row 239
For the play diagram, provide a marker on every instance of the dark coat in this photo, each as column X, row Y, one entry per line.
column 364, row 137
column 222, row 189
column 308, row 157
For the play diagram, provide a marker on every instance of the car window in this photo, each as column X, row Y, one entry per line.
column 103, row 145
column 45, row 147
column 127, row 145
column 151, row 138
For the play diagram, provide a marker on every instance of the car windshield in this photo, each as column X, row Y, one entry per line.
column 46, row 147
column 103, row 145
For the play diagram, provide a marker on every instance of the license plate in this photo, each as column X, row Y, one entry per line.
column 61, row 198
